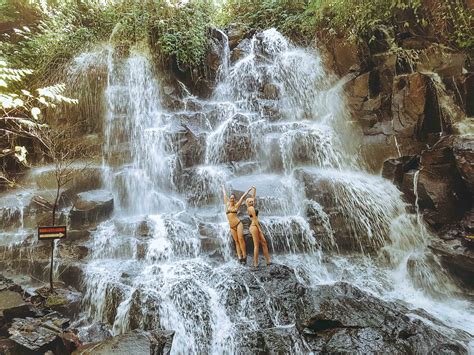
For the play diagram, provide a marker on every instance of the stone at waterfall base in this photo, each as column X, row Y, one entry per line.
column 328, row 318
column 137, row 342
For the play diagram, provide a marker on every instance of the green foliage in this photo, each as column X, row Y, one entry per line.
column 182, row 31
column 450, row 21
column 288, row 16
column 68, row 27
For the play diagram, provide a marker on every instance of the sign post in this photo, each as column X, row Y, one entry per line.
column 51, row 233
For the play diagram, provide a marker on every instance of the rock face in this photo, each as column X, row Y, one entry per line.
column 347, row 317
column 457, row 258
column 326, row 319
column 91, row 207
column 157, row 342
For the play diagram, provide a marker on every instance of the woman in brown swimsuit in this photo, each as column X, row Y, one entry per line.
column 236, row 226
column 255, row 230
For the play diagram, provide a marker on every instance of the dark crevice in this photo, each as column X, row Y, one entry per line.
column 433, row 120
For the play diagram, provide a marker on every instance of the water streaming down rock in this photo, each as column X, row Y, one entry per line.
column 277, row 121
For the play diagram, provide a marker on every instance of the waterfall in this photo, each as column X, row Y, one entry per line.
column 276, row 120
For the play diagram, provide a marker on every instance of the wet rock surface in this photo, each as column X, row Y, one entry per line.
column 156, row 342
column 30, row 325
column 457, row 258
column 328, row 318
column 91, row 207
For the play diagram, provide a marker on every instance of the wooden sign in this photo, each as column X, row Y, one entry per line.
column 52, row 232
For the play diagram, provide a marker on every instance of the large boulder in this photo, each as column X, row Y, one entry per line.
column 12, row 305
column 39, row 335
column 408, row 103
column 85, row 177
column 156, row 342
column 235, row 33
column 394, row 169
column 457, row 258
column 463, row 149
column 440, row 187
column 346, row 317
column 90, row 208
column 327, row 318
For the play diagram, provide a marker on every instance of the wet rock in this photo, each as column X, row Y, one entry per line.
column 91, row 208
column 326, row 318
column 346, row 317
column 382, row 39
column 463, row 149
column 240, row 51
column 238, row 144
column 39, row 334
column 345, row 53
column 457, row 258
column 440, row 186
column 78, row 235
column 12, row 306
column 85, row 178
column 270, row 92
column 442, row 62
column 235, row 33
column 394, row 169
column 156, row 342
column 408, row 103
column 72, row 274
column 65, row 301
column 191, row 149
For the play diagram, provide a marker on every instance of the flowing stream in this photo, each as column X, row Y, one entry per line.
column 277, row 120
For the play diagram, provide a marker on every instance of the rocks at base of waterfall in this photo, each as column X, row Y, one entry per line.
column 64, row 300
column 326, row 318
column 154, row 342
column 39, row 335
column 91, row 207
column 12, row 305
column 457, row 258
column 345, row 317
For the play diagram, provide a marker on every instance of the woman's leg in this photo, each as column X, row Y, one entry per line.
column 263, row 241
column 240, row 236
column 236, row 241
column 254, row 232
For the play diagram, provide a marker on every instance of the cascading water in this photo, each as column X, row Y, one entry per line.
column 276, row 121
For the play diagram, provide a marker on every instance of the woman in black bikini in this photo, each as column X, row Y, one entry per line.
column 236, row 227
column 255, row 230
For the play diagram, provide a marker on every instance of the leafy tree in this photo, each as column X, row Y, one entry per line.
column 20, row 119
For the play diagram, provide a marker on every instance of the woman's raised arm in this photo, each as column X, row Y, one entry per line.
column 243, row 198
column 224, row 194
column 254, row 191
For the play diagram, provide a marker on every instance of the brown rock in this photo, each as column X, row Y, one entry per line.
column 235, row 33
column 136, row 342
column 440, row 186
column 91, row 207
column 408, row 103
column 463, row 149
column 345, row 55
column 456, row 258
